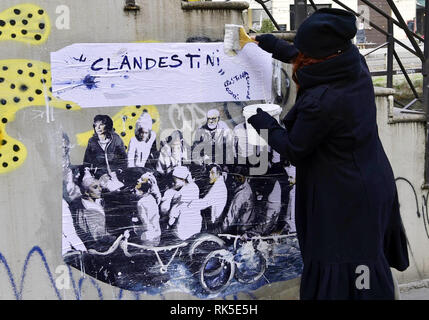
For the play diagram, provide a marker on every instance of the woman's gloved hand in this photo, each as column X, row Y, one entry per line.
column 281, row 49
column 261, row 120
column 266, row 42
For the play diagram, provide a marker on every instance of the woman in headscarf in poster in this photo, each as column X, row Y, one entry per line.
column 142, row 150
column 347, row 211
column 105, row 152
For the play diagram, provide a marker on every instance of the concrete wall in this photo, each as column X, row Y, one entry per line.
column 403, row 138
column 31, row 152
column 30, row 192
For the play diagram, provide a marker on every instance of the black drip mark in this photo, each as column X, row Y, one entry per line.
column 5, row 68
column 38, row 91
column 17, row 11
column 19, row 71
column 4, row 120
column 45, row 71
column 1, row 80
column 40, row 12
column 2, row 23
column 13, row 35
column 31, row 74
column 15, row 159
column 24, row 22
column 24, row 32
column 12, row 86
column 130, row 127
column 133, row 114
column 41, row 26
column 37, row 37
column 3, row 101
column 16, row 148
column 138, row 107
column 123, row 134
column 23, row 88
column 12, row 22
column 29, row 64
column 68, row 106
column 5, row 164
column 30, row 99
column 16, row 99
column 30, row 15
column 3, row 142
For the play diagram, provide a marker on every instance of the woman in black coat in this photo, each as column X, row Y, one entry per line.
column 105, row 152
column 347, row 213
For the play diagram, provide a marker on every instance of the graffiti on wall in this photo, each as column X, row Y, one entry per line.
column 26, row 23
column 23, row 83
column 421, row 208
column 62, row 278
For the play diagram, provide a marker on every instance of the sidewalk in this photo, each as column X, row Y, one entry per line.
column 418, row 290
column 416, row 294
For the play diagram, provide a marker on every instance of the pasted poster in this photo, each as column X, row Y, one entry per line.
column 113, row 74
column 165, row 198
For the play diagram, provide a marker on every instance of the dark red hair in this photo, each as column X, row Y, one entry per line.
column 302, row 60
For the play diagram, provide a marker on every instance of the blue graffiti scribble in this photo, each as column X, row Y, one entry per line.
column 9, row 273
column 233, row 289
column 96, row 286
column 18, row 294
column 81, row 59
column 89, row 82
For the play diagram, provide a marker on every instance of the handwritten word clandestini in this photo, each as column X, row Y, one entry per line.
column 189, row 60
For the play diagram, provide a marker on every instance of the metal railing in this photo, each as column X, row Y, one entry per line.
column 390, row 42
column 392, row 54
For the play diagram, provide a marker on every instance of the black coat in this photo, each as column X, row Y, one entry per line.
column 115, row 154
column 347, row 211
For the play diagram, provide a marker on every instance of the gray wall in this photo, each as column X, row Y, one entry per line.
column 30, row 195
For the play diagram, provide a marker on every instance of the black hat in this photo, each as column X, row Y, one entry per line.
column 325, row 32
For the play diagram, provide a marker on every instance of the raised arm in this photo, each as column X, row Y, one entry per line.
column 281, row 49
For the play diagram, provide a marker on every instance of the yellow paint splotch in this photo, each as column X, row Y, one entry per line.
column 23, row 83
column 26, row 23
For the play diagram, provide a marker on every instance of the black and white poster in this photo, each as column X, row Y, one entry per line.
column 175, row 198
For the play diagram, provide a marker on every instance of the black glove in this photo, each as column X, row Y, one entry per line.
column 281, row 49
column 267, row 42
column 262, row 120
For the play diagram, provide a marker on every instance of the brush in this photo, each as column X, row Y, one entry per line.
column 235, row 39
